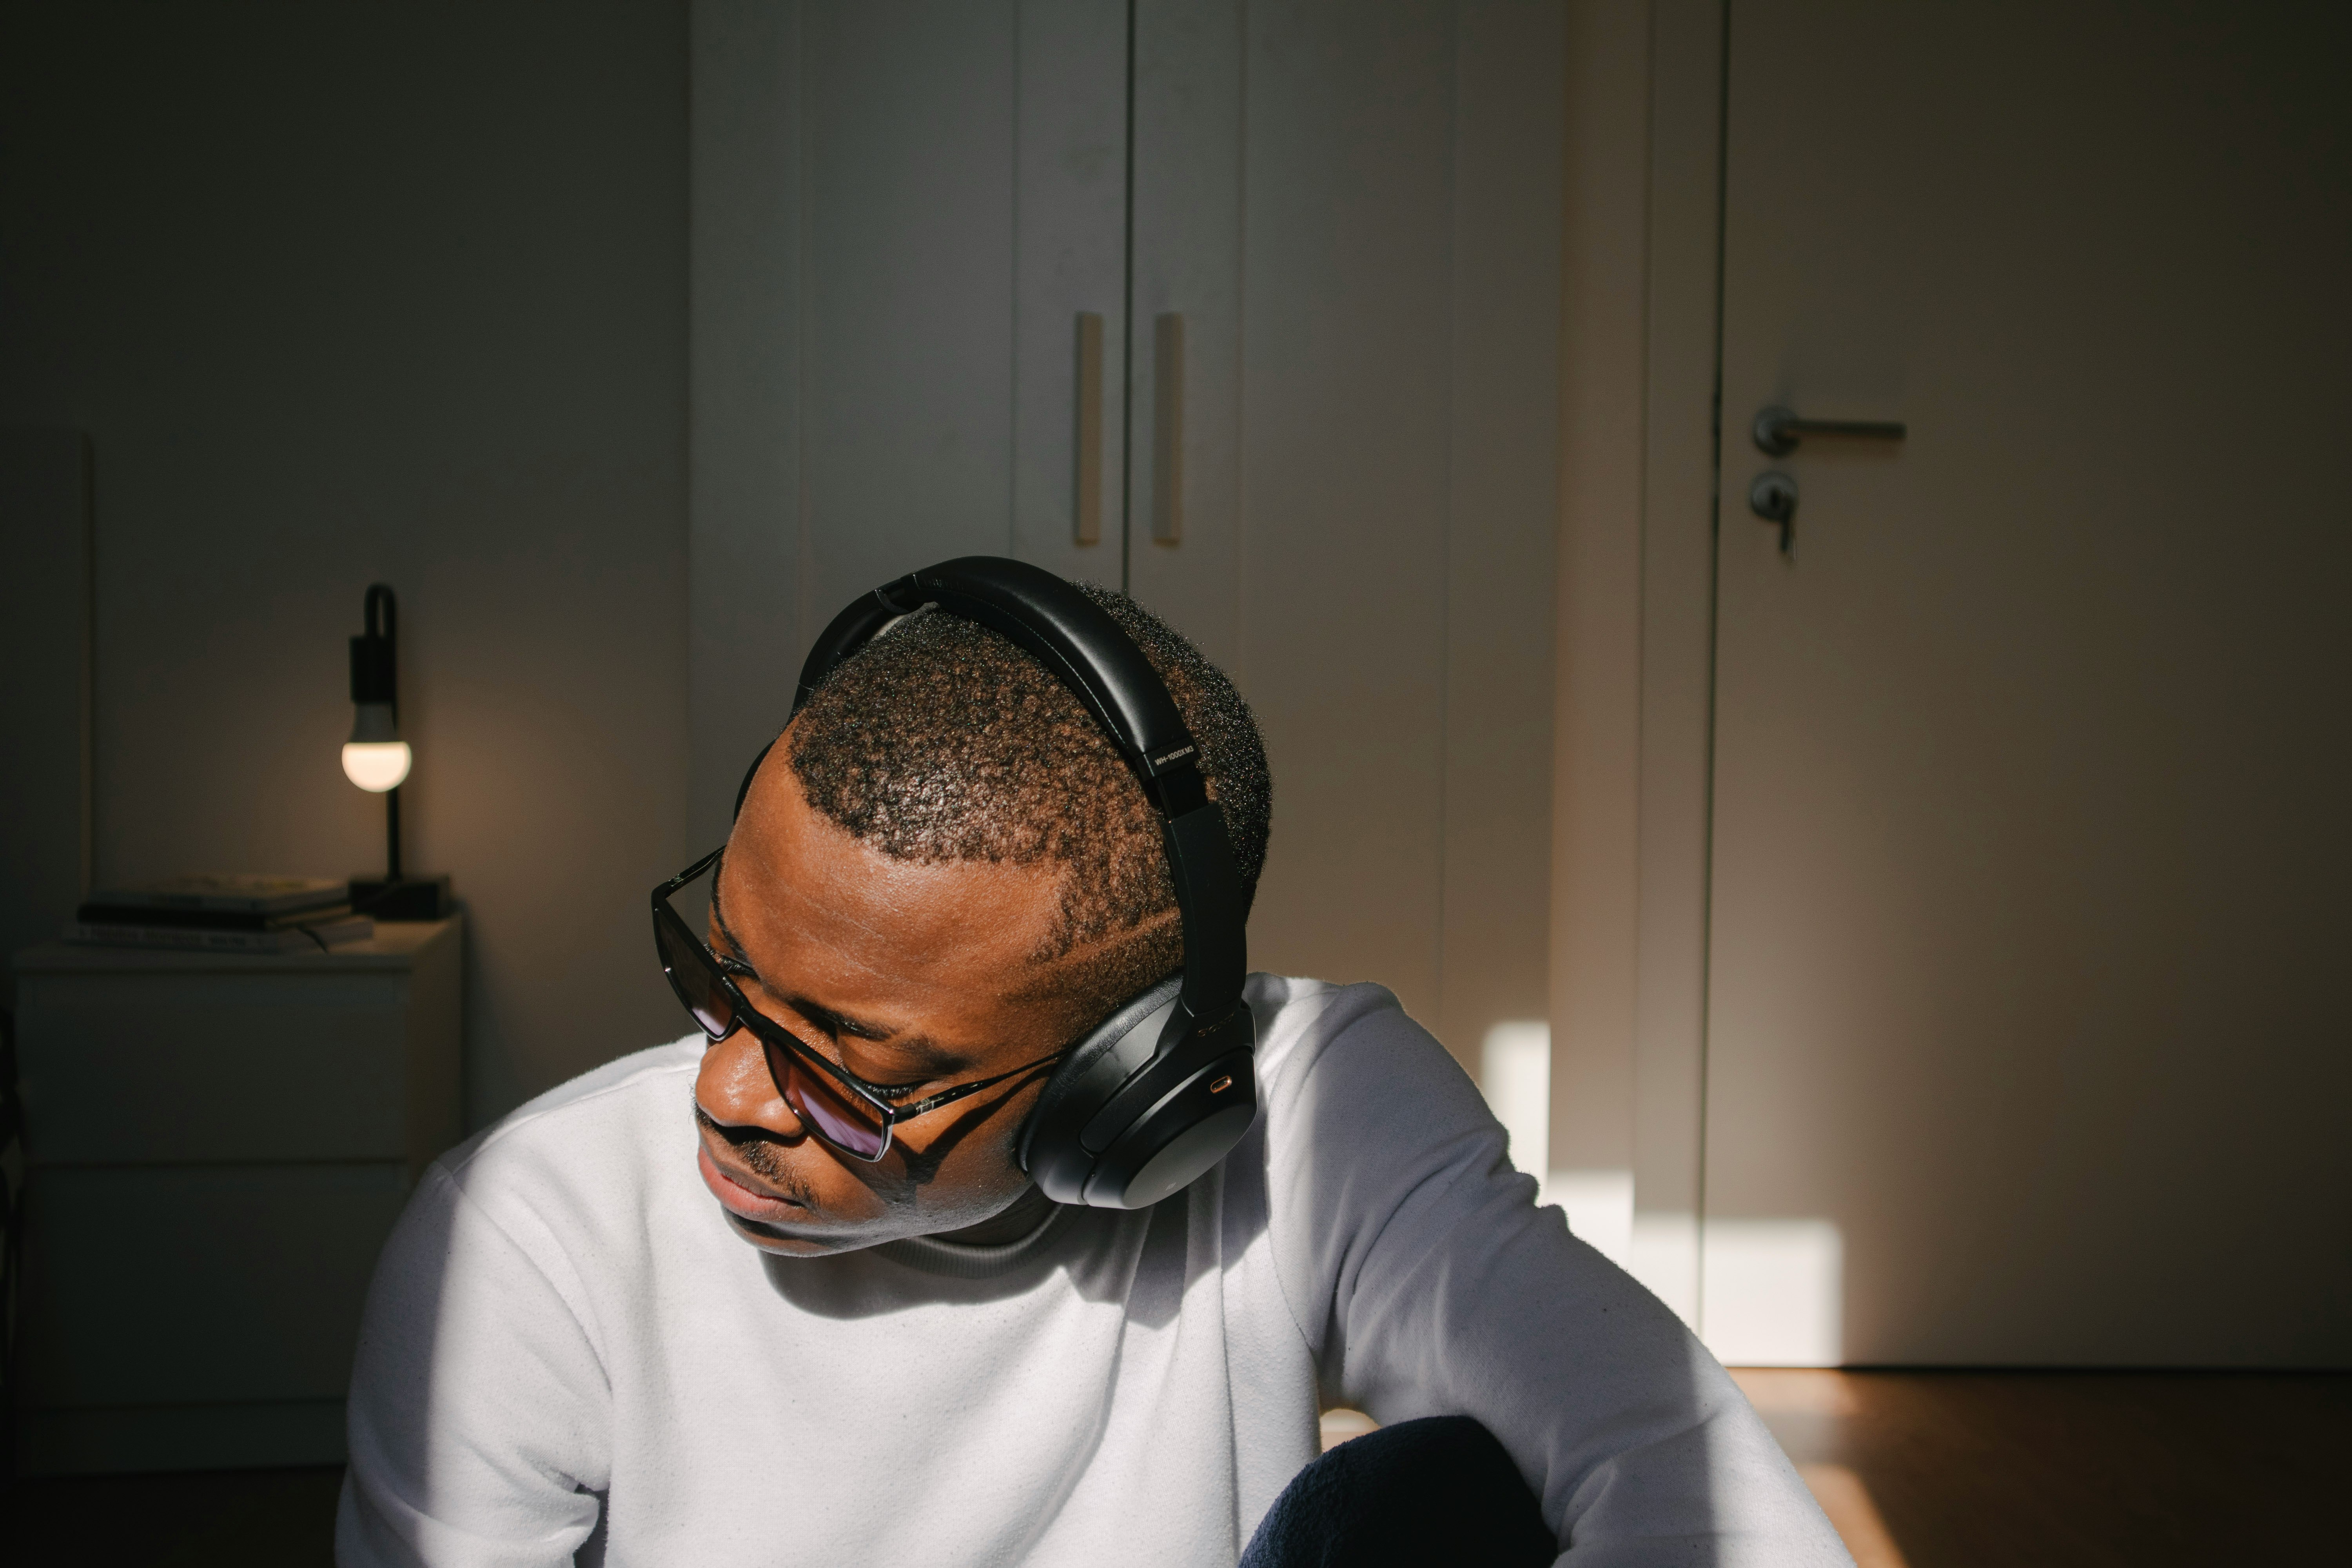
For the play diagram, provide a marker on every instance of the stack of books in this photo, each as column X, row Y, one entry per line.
column 224, row 914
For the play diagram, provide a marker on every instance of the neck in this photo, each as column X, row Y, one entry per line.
column 1023, row 1215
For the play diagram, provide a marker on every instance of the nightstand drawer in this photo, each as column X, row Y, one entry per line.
column 182, row 1285
column 141, row 1056
column 219, row 1144
column 172, row 1069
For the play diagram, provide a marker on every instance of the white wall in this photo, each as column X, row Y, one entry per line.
column 342, row 294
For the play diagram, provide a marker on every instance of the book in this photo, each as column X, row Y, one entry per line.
column 288, row 936
column 230, row 893
column 114, row 914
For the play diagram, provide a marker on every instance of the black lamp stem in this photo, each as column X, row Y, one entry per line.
column 392, row 834
column 375, row 674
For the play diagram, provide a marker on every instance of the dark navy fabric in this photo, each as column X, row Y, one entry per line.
column 1435, row 1492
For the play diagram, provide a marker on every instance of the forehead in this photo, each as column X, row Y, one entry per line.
column 827, row 916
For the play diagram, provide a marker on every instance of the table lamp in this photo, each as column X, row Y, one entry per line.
column 376, row 759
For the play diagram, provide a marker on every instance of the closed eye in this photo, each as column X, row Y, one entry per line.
column 888, row 1093
column 893, row 1093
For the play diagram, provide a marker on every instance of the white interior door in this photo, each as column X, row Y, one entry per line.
column 2026, row 1034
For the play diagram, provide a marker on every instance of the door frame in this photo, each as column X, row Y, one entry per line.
column 1635, row 686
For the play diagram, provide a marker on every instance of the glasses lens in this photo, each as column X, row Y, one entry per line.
column 693, row 976
column 847, row 1121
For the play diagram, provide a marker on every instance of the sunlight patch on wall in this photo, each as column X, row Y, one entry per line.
column 1515, row 1075
column 1600, row 1208
column 1665, row 1259
column 1772, row 1291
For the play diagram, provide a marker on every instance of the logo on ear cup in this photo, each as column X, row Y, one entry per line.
column 1187, row 1129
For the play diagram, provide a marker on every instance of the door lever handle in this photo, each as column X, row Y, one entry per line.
column 1778, row 430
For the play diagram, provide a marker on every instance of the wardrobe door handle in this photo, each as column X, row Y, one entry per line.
column 1088, row 512
column 1168, row 428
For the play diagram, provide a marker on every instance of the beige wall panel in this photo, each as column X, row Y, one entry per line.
column 1503, row 520
column 745, row 393
column 46, row 626
column 1347, row 364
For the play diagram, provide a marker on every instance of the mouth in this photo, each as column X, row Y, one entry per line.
column 742, row 1196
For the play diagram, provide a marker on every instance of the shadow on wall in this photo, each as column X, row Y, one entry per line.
column 344, row 294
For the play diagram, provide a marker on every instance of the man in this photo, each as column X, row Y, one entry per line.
column 790, row 1297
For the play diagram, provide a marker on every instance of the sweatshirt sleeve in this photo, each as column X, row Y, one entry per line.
column 1429, row 1283
column 478, row 1404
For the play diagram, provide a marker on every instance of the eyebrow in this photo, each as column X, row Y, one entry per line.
column 928, row 1056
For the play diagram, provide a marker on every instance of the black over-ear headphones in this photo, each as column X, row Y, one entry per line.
column 1164, row 1087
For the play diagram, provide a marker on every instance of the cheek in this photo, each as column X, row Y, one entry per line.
column 965, row 1169
column 978, row 1178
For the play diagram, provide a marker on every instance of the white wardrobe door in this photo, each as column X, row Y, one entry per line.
column 1355, row 210
column 900, row 213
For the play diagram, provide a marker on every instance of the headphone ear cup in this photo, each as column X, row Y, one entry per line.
column 1178, row 1117
column 1049, row 1147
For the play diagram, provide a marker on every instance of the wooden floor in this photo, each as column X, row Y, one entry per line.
column 1917, row 1469
column 1964, row 1469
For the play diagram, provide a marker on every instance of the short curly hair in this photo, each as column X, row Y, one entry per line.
column 942, row 741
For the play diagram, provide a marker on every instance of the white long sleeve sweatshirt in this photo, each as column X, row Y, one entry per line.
column 567, row 1350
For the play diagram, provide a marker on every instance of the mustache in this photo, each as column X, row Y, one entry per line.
column 757, row 1151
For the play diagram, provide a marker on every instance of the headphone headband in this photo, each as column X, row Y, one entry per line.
column 1092, row 655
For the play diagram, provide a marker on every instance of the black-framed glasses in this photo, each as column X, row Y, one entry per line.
column 845, row 1113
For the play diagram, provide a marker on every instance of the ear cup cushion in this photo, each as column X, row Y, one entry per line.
column 1084, row 1082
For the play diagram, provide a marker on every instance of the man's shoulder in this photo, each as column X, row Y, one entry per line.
column 1302, row 1022
column 596, row 1121
column 1343, row 1069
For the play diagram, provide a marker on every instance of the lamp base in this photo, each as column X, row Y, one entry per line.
column 408, row 899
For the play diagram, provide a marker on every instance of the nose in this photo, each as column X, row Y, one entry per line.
column 735, row 1089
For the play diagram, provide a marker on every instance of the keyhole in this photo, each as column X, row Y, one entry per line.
column 1773, row 498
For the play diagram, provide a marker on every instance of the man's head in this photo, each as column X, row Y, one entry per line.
column 943, row 870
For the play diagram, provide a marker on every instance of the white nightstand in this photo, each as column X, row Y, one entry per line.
column 218, row 1146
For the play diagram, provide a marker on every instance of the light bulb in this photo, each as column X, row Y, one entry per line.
column 376, row 765
column 375, row 758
